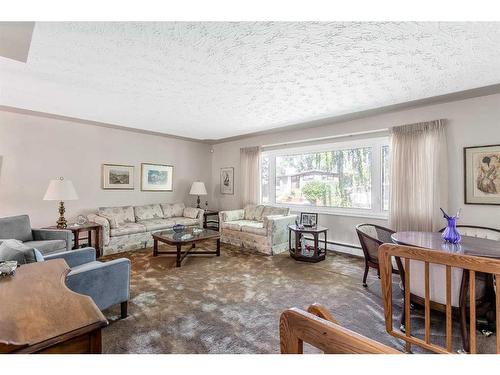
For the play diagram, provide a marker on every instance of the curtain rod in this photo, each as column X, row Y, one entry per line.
column 384, row 130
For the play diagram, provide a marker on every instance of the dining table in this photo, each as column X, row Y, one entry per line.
column 474, row 246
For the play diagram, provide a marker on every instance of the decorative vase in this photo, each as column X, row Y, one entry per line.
column 178, row 228
column 451, row 234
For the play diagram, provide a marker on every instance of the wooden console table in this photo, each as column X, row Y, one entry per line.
column 39, row 314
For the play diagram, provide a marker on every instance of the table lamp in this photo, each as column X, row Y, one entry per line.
column 198, row 188
column 60, row 190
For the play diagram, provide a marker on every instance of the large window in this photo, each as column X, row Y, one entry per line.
column 350, row 177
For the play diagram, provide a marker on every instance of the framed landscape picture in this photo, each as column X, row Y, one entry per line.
column 156, row 177
column 482, row 174
column 116, row 176
column 227, row 180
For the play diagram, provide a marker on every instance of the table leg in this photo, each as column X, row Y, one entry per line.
column 297, row 243
column 205, row 221
column 289, row 239
column 76, row 235
column 89, row 236
column 155, row 247
column 316, row 244
column 218, row 247
column 178, row 262
column 325, row 244
column 98, row 242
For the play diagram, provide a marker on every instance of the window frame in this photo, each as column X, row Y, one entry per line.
column 376, row 143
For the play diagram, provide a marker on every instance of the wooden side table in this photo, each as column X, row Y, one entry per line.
column 296, row 250
column 210, row 224
column 89, row 228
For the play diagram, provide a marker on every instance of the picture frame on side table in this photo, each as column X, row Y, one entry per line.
column 157, row 177
column 482, row 175
column 117, row 177
column 227, row 180
column 309, row 219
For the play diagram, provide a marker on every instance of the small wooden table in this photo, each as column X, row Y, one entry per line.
column 39, row 314
column 89, row 228
column 172, row 238
column 210, row 224
column 296, row 251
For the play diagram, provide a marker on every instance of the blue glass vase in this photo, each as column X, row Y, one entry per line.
column 451, row 233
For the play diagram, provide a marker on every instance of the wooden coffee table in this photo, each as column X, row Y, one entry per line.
column 172, row 238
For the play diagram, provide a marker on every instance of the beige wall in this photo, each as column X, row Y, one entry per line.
column 34, row 150
column 470, row 122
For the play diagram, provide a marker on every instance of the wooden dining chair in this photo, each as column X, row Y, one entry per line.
column 479, row 232
column 447, row 265
column 318, row 328
column 371, row 236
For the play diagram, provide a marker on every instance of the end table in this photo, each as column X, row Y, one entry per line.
column 296, row 251
column 89, row 228
column 210, row 223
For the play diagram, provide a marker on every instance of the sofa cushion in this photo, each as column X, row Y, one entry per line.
column 126, row 229
column 16, row 250
column 147, row 212
column 254, row 227
column 171, row 210
column 253, row 212
column 47, row 246
column 270, row 210
column 190, row 212
column 238, row 224
column 16, row 227
column 117, row 216
column 185, row 221
column 157, row 224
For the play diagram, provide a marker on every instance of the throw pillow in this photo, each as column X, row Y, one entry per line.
column 178, row 209
column 16, row 250
column 168, row 210
column 190, row 212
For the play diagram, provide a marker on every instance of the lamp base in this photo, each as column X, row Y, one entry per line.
column 198, row 202
column 61, row 222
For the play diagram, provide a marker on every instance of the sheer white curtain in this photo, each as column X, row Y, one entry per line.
column 419, row 176
column 250, row 175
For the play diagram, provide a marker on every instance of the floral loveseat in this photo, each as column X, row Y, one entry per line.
column 261, row 228
column 130, row 227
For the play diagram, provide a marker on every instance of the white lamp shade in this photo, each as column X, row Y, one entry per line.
column 60, row 190
column 198, row 188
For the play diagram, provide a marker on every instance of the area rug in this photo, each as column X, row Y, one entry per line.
column 232, row 303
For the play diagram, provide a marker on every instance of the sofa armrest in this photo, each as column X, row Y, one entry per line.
column 277, row 227
column 106, row 283
column 231, row 215
column 74, row 257
column 104, row 223
column 53, row 234
column 201, row 212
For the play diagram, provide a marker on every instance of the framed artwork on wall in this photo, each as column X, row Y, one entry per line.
column 482, row 174
column 156, row 177
column 117, row 177
column 227, row 180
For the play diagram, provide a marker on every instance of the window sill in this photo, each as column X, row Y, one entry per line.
column 335, row 212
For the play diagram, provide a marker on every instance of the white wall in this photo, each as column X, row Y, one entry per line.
column 35, row 149
column 471, row 122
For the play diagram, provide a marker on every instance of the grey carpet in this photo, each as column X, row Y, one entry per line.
column 232, row 303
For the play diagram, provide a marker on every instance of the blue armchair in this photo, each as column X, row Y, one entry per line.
column 47, row 241
column 107, row 283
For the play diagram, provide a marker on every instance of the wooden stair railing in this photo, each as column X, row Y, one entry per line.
column 318, row 328
column 470, row 264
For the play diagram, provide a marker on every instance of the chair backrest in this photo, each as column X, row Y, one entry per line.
column 450, row 261
column 318, row 328
column 479, row 232
column 371, row 236
column 16, row 227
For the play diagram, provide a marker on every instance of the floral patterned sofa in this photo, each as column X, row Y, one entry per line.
column 130, row 227
column 261, row 228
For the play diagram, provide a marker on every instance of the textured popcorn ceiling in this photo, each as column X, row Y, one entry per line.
column 217, row 80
